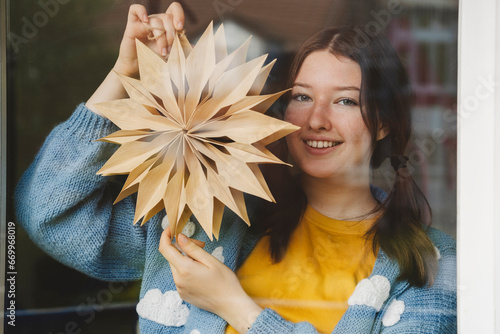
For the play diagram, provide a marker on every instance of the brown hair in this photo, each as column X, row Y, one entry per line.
column 385, row 100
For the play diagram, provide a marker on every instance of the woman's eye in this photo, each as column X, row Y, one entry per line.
column 301, row 97
column 347, row 102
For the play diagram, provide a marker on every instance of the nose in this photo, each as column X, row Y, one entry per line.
column 318, row 119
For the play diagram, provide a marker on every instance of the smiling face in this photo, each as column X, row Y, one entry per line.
column 333, row 140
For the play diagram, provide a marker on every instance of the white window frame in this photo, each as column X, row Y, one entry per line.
column 478, row 167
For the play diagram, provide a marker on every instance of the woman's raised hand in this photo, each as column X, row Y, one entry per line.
column 193, row 268
column 157, row 31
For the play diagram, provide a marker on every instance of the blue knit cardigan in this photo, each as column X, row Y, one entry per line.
column 67, row 210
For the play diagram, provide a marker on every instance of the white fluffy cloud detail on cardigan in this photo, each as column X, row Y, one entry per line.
column 188, row 229
column 217, row 253
column 393, row 313
column 371, row 291
column 164, row 308
column 438, row 253
column 164, row 222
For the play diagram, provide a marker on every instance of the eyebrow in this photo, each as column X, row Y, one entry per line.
column 341, row 88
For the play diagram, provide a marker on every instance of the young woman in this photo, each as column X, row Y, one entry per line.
column 334, row 254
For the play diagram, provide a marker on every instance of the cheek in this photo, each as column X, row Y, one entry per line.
column 360, row 136
column 294, row 116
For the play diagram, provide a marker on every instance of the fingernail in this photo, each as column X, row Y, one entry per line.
column 145, row 18
column 179, row 25
column 169, row 49
column 182, row 238
column 164, row 52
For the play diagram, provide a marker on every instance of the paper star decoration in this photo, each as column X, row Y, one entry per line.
column 193, row 132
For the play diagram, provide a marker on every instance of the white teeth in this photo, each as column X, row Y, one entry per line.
column 321, row 143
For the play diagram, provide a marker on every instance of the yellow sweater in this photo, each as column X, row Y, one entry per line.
column 323, row 264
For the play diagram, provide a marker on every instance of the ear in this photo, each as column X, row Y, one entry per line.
column 382, row 132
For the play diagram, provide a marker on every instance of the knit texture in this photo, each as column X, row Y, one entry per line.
column 68, row 211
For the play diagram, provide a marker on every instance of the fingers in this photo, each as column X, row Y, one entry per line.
column 198, row 243
column 160, row 28
column 172, row 254
column 170, row 31
column 169, row 251
column 138, row 13
column 177, row 12
column 192, row 250
column 172, row 21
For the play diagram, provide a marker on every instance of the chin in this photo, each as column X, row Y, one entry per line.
column 319, row 172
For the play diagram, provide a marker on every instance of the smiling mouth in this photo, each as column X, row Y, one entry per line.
column 321, row 143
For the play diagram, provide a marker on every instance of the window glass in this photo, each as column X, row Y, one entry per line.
column 60, row 50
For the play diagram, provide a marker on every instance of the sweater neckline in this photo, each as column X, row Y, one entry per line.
column 337, row 226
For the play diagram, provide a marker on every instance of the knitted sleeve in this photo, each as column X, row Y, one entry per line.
column 68, row 210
